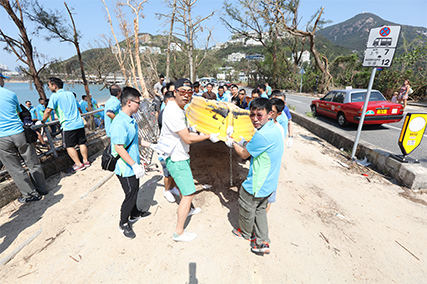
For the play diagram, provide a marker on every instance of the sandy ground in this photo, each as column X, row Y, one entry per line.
column 330, row 224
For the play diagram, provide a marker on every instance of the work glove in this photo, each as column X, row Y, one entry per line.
column 138, row 170
column 229, row 142
column 242, row 142
column 214, row 137
column 230, row 130
column 38, row 122
column 192, row 128
column 153, row 146
column 289, row 142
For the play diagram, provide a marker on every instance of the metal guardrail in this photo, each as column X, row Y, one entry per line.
column 147, row 125
column 148, row 129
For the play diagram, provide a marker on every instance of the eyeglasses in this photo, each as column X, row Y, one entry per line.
column 139, row 103
column 183, row 93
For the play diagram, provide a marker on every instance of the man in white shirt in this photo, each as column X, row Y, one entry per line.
column 174, row 143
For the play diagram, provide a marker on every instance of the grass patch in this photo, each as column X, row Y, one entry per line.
column 291, row 107
column 310, row 114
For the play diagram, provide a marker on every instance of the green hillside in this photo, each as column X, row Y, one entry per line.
column 354, row 32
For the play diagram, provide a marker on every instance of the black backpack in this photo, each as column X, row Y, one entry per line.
column 108, row 161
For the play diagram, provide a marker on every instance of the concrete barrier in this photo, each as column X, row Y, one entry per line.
column 413, row 176
column 10, row 192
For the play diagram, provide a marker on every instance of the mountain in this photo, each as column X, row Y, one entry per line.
column 354, row 32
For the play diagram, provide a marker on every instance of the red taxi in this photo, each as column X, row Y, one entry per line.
column 346, row 107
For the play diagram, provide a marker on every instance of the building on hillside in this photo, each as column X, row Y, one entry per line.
column 255, row 56
column 219, row 45
column 150, row 49
column 115, row 50
column 253, row 42
column 235, row 57
column 175, row 47
column 237, row 40
column 305, row 57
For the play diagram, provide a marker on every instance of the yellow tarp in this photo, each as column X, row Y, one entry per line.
column 212, row 117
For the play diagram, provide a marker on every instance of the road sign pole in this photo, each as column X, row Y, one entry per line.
column 300, row 88
column 362, row 118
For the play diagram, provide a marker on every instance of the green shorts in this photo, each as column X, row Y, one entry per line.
column 182, row 175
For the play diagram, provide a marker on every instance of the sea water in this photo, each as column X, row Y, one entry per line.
column 26, row 92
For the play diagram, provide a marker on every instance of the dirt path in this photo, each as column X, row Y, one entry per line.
column 330, row 224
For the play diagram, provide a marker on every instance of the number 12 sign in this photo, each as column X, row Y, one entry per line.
column 381, row 46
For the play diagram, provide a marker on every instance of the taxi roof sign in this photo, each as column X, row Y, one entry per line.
column 412, row 132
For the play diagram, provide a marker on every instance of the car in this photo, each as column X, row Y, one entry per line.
column 346, row 106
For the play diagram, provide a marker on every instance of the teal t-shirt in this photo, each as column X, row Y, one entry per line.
column 283, row 120
column 266, row 149
column 112, row 105
column 65, row 105
column 124, row 131
column 10, row 123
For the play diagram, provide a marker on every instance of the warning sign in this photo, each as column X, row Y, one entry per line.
column 412, row 132
column 384, row 37
column 381, row 46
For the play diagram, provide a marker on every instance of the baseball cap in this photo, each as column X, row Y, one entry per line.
column 1, row 75
column 183, row 82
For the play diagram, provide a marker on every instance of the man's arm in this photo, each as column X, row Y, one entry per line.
column 46, row 114
column 120, row 149
column 111, row 115
column 190, row 138
column 290, row 128
column 241, row 151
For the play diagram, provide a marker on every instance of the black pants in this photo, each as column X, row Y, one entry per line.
column 130, row 186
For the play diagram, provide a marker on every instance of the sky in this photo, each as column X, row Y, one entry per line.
column 91, row 21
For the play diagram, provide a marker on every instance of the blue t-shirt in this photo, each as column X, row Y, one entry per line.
column 65, row 105
column 123, row 130
column 283, row 120
column 266, row 149
column 112, row 105
column 84, row 105
column 33, row 112
column 224, row 97
column 10, row 123
column 264, row 95
column 39, row 110
column 268, row 91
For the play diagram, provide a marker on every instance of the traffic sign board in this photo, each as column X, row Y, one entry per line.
column 378, row 57
column 385, row 37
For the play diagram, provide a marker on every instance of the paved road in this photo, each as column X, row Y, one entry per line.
column 384, row 136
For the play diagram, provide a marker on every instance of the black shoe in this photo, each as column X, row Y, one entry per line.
column 127, row 230
column 42, row 191
column 29, row 199
column 141, row 215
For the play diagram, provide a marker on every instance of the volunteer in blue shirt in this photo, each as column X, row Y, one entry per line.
column 65, row 106
column 13, row 144
column 84, row 104
column 112, row 107
column 124, row 134
column 221, row 96
column 285, row 119
column 265, row 150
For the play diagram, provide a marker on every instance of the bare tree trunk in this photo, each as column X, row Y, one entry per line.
column 25, row 46
column 79, row 55
column 136, row 10
column 169, row 42
column 118, row 54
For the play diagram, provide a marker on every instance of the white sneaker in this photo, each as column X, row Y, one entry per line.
column 194, row 211
column 185, row 237
column 169, row 196
column 174, row 191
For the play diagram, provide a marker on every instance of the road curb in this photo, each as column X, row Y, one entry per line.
column 414, row 176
